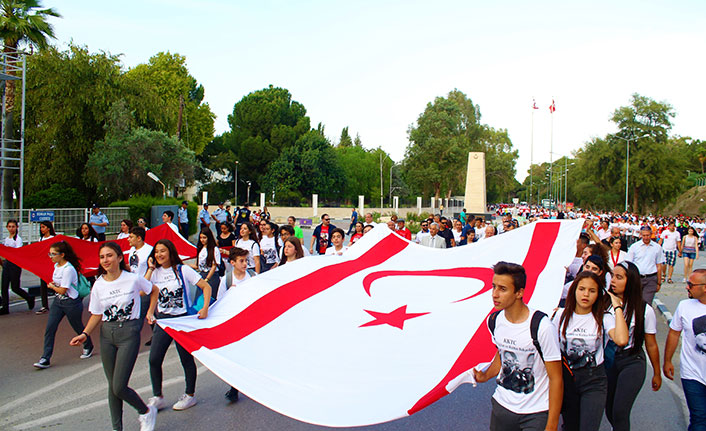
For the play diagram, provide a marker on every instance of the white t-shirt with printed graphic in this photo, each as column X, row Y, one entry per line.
column 118, row 300
column 650, row 324
column 268, row 250
column 670, row 240
column 523, row 384
column 203, row 257
column 583, row 345
column 253, row 250
column 66, row 276
column 171, row 291
column 137, row 259
column 690, row 319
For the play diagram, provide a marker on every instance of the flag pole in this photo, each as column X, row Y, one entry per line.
column 531, row 151
column 551, row 150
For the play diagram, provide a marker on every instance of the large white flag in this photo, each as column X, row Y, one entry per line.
column 375, row 334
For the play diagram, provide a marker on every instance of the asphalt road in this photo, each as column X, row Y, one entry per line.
column 71, row 395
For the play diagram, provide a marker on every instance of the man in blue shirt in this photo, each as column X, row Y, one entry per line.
column 354, row 220
column 205, row 217
column 220, row 216
column 183, row 220
column 99, row 221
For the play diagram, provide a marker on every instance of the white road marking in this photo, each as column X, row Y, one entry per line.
column 102, row 403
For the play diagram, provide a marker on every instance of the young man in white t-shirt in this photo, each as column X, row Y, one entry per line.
column 690, row 317
column 670, row 241
column 137, row 260
column 530, row 387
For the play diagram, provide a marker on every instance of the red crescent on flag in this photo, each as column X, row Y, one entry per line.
column 543, row 239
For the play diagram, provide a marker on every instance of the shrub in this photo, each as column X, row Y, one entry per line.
column 412, row 216
column 56, row 196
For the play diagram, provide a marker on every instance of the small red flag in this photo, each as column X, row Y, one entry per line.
column 552, row 107
column 534, row 104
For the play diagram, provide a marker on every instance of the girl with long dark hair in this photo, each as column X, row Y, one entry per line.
column 11, row 273
column 172, row 280
column 690, row 250
column 125, row 226
column 46, row 232
column 66, row 302
column 249, row 241
column 208, row 259
column 292, row 250
column 86, row 233
column 626, row 372
column 269, row 247
column 582, row 326
column 115, row 302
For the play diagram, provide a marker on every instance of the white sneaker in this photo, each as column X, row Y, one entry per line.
column 185, row 401
column 148, row 420
column 157, row 402
column 87, row 353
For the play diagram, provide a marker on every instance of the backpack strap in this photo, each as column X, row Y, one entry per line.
column 534, row 331
column 491, row 321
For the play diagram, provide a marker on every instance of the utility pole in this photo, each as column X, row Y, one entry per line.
column 381, row 181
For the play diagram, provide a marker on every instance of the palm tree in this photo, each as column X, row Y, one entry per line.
column 23, row 23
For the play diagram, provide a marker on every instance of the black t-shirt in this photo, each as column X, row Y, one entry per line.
column 448, row 235
column 243, row 216
column 226, row 242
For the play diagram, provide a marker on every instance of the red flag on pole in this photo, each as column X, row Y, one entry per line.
column 552, row 107
column 534, row 104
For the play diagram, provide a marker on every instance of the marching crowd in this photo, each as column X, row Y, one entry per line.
column 583, row 360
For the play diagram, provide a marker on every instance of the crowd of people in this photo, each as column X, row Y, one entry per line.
column 585, row 359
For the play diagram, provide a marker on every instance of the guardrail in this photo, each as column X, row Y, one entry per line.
column 65, row 220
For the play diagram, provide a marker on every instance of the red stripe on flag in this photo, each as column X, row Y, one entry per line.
column 277, row 302
column 483, row 274
column 543, row 239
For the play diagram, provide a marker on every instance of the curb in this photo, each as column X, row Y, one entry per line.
column 664, row 310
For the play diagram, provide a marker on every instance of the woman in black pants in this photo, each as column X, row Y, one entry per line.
column 46, row 231
column 11, row 273
column 208, row 261
column 627, row 369
column 66, row 303
column 172, row 279
column 115, row 300
column 583, row 325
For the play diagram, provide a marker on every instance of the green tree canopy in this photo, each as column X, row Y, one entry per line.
column 119, row 165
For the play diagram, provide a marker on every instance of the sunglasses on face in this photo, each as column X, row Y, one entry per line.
column 690, row 284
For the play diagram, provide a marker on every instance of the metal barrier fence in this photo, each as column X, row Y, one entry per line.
column 66, row 221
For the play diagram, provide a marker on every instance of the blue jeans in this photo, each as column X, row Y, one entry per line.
column 72, row 309
column 695, row 393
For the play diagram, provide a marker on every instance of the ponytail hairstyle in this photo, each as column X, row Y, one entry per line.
column 597, row 309
column 210, row 246
column 118, row 252
column 634, row 304
column 64, row 248
column 49, row 226
column 12, row 220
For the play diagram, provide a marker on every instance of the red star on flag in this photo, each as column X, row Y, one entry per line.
column 394, row 318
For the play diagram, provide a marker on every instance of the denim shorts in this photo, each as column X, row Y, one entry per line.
column 689, row 255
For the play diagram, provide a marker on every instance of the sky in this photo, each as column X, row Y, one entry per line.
column 373, row 66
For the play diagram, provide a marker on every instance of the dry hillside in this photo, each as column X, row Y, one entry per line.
column 691, row 203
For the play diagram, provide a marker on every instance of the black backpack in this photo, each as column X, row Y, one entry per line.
column 534, row 328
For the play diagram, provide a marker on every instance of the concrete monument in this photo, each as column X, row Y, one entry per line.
column 475, row 199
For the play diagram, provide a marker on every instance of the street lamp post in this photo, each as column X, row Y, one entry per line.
column 248, row 195
column 156, row 178
column 235, row 199
column 627, row 163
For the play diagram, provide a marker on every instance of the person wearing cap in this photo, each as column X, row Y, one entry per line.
column 183, row 219
column 648, row 256
column 99, row 221
column 219, row 216
column 403, row 231
column 205, row 217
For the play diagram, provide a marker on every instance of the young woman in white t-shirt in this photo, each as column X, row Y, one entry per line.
column 268, row 246
column 66, row 302
column 291, row 250
column 86, row 232
column 125, row 226
column 11, row 273
column 582, row 327
column 249, row 241
column 208, row 260
column 627, row 369
column 46, row 232
column 172, row 280
column 115, row 302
